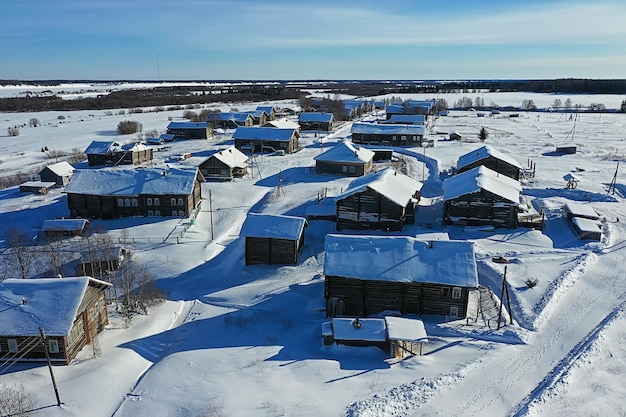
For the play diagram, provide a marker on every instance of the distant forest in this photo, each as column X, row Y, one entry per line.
column 252, row 91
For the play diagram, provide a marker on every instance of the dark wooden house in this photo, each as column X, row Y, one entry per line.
column 383, row 200
column 387, row 134
column 37, row 187
column 59, row 173
column 259, row 117
column 316, row 121
column 71, row 312
column 492, row 159
column 406, row 119
column 115, row 192
column 345, row 159
column 55, row 228
column 480, row 197
column 273, row 239
column 423, row 107
column 367, row 275
column 229, row 120
column 266, row 139
column 269, row 110
column 114, row 153
column 223, row 165
column 190, row 130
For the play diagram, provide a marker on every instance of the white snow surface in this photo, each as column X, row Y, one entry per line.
column 245, row 341
column 346, row 151
column 481, row 178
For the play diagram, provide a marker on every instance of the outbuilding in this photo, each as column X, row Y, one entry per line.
column 273, row 239
column 316, row 121
column 60, row 173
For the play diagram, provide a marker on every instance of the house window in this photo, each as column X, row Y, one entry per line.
column 150, row 213
column 351, row 169
column 403, row 138
column 157, row 202
column 344, row 169
column 224, row 172
column 394, row 138
column 120, row 202
column 454, row 311
column 157, row 213
column 181, row 202
column 127, row 202
column 456, row 292
column 135, row 202
column 149, row 201
column 53, row 346
column 445, row 292
column 181, row 213
column 173, row 201
column 12, row 345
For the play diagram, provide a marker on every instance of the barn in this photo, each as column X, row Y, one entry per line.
column 54, row 228
column 258, row 139
column 190, row 130
column 273, row 239
column 345, row 159
column 387, row 134
column 492, row 159
column 383, row 200
column 114, row 153
column 480, row 197
column 70, row 311
column 60, row 173
column 367, row 275
column 316, row 121
column 116, row 192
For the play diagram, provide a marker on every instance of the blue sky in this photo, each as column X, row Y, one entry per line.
column 323, row 39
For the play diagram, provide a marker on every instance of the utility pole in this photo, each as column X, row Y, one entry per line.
column 611, row 189
column 211, row 213
column 45, row 349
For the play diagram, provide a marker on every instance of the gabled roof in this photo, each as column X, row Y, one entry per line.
column 263, row 133
column 345, row 151
column 273, row 226
column 62, row 169
column 407, row 119
column 258, row 113
column 482, row 178
column 396, row 187
column 63, row 225
column 387, row 129
column 266, row 109
column 50, row 303
column 108, row 147
column 187, row 125
column 132, row 182
column 231, row 157
column 282, row 124
column 482, row 153
column 316, row 117
column 401, row 259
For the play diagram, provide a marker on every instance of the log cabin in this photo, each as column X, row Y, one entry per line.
column 114, row 153
column 316, row 121
column 273, row 239
column 266, row 139
column 190, row 130
column 60, row 173
column 387, row 134
column 492, row 159
column 345, row 159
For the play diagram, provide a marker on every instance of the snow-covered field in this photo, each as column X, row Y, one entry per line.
column 233, row 340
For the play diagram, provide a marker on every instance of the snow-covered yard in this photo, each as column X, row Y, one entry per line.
column 234, row 340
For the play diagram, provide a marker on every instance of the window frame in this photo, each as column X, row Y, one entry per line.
column 13, row 345
column 53, row 346
column 457, row 292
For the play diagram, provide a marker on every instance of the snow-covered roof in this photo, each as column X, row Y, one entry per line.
column 316, row 117
column 273, row 226
column 581, row 210
column 60, row 225
column 263, row 133
column 587, row 225
column 282, row 123
column 155, row 141
column 387, row 129
column 134, row 147
column 231, row 157
column 99, row 147
column 40, row 184
column 396, row 187
column 368, row 330
column 401, row 259
column 345, row 151
column 478, row 178
column 187, row 125
column 258, row 113
column 62, row 169
column 407, row 119
column 266, row 109
column 410, row 330
column 50, row 303
column 482, row 153
column 132, row 182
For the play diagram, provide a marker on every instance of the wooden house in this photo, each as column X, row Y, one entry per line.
column 114, row 193
column 114, row 153
column 59, row 173
column 316, row 121
column 387, row 134
column 190, row 130
column 229, row 120
column 273, row 239
column 345, row 159
column 423, row 107
column 224, row 165
column 55, row 228
column 282, row 124
column 269, row 110
column 406, row 119
column 492, row 159
column 383, row 200
column 37, row 187
column 70, row 311
column 266, row 139
column 367, row 275
column 259, row 117
column 100, row 262
column 480, row 197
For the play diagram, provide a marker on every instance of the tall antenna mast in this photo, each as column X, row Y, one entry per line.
column 158, row 70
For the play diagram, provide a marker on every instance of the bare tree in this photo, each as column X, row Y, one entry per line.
column 54, row 256
column 20, row 253
column 16, row 401
column 34, row 122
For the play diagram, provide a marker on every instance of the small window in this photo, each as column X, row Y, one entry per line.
column 149, row 201
column 53, row 346
column 181, row 213
column 445, row 292
column 150, row 213
column 456, row 292
column 127, row 202
column 173, row 201
column 12, row 345
column 135, row 202
column 351, row 169
column 181, row 202
column 403, row 138
column 224, row 172
column 157, row 212
column 120, row 202
column 394, row 138
column 157, row 201
column 344, row 169
column 454, row 311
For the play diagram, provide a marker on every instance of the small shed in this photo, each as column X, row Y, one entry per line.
column 64, row 227
column 100, row 262
column 566, row 149
column 360, row 332
column 273, row 239
column 587, row 229
column 155, row 141
column 585, row 211
column 406, row 336
column 114, row 153
column 345, row 159
column 224, row 165
column 60, row 173
column 37, row 187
